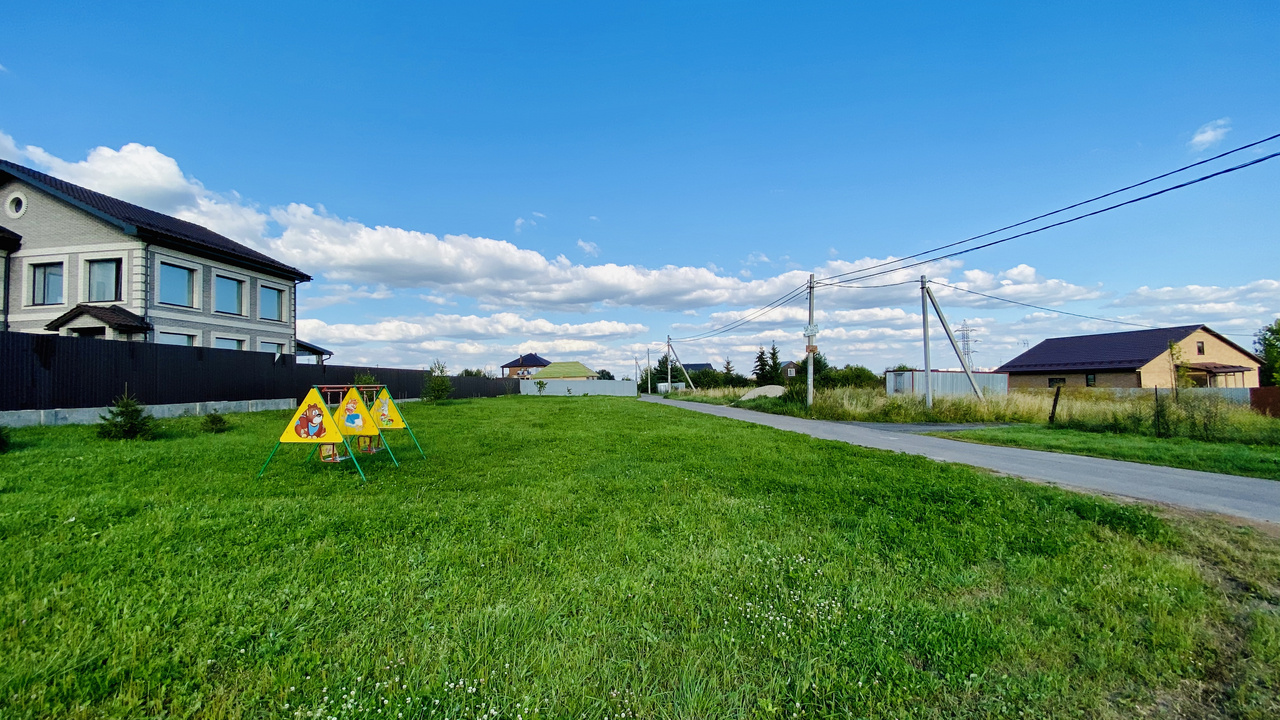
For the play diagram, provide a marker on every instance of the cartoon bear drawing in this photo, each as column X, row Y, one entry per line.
column 310, row 423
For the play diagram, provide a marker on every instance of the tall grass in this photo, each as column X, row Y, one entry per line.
column 1195, row 416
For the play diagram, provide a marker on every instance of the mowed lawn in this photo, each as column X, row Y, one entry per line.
column 604, row 558
column 1232, row 458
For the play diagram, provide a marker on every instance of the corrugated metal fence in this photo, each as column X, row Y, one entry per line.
column 945, row 382
column 43, row 372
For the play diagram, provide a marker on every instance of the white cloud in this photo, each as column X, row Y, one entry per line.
column 538, row 214
column 4, row 69
column 589, row 248
column 1210, row 134
column 464, row 327
column 756, row 258
column 519, row 224
column 592, row 217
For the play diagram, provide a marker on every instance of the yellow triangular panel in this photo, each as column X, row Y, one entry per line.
column 385, row 413
column 352, row 416
column 312, row 423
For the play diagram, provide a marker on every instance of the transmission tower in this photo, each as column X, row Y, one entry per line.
column 966, row 342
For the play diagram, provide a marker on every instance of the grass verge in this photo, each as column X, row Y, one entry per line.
column 604, row 558
column 1261, row 461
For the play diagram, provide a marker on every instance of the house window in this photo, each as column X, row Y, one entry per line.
column 1200, row 348
column 177, row 285
column 1057, row 382
column 228, row 343
column 46, row 284
column 1091, row 380
column 277, row 348
column 270, row 303
column 229, row 294
column 165, row 338
column 104, row 280
column 791, row 372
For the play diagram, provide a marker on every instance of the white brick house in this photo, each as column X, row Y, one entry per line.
column 77, row 262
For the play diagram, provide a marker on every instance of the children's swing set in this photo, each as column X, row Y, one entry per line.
column 348, row 432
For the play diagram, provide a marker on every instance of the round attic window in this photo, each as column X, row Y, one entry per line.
column 15, row 205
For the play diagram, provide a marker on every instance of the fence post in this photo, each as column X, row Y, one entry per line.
column 1053, row 412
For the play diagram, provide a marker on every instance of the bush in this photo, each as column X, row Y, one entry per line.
column 127, row 420
column 215, row 423
column 436, row 385
column 364, row 377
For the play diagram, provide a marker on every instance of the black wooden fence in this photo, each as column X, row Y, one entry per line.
column 43, row 372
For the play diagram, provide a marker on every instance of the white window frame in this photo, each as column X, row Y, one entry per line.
column 29, row 280
column 122, row 293
column 219, row 335
column 244, row 281
column 19, row 195
column 284, row 301
column 197, row 282
column 195, row 338
column 262, row 347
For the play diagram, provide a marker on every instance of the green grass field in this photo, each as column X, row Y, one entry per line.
column 605, row 558
column 1233, row 458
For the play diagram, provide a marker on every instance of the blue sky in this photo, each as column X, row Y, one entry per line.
column 476, row 181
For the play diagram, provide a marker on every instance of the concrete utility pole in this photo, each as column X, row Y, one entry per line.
column 648, row 370
column 928, row 367
column 668, row 363
column 810, row 347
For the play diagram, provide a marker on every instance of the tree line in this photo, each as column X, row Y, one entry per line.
column 768, row 369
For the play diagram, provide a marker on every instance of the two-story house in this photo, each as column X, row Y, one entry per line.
column 77, row 262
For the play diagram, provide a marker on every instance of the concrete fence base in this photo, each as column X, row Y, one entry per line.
column 92, row 416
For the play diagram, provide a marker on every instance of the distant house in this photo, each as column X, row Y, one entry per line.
column 1136, row 359
column 566, row 371
column 695, row 367
column 80, row 263
column 524, row 366
column 789, row 369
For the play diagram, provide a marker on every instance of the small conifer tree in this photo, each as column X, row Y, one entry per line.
column 215, row 422
column 127, row 419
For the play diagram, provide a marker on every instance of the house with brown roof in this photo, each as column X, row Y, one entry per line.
column 1136, row 359
column 77, row 262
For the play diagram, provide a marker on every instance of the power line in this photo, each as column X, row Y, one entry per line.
column 867, row 287
column 1037, row 307
column 786, row 298
column 1060, row 223
column 1063, row 209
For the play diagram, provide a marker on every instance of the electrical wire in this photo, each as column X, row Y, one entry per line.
column 1037, row 307
column 1060, row 223
column 866, row 287
column 785, row 299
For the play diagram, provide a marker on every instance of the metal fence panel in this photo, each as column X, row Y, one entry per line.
column 46, row 372
column 945, row 382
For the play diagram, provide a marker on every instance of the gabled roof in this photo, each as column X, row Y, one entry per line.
column 695, row 367
column 1106, row 351
column 151, row 226
column 529, row 360
column 113, row 316
column 565, row 370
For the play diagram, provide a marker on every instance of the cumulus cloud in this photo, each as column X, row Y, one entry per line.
column 589, row 248
column 464, row 327
column 1210, row 134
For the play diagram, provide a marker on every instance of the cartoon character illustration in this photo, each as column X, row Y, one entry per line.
column 352, row 419
column 310, row 423
column 384, row 413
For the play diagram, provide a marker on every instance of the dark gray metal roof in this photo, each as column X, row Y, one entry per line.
column 152, row 226
column 113, row 316
column 529, row 360
column 695, row 367
column 9, row 240
column 307, row 348
column 1107, row 351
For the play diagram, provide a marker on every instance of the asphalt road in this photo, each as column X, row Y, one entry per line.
column 1252, row 498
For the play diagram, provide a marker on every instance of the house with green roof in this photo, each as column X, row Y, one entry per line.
column 566, row 371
